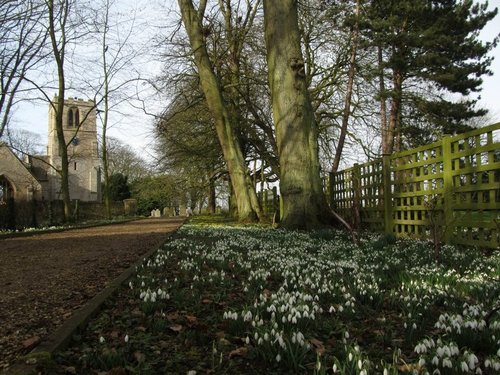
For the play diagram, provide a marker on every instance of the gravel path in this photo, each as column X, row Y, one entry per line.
column 44, row 278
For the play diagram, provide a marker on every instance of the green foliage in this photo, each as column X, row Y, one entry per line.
column 156, row 192
column 249, row 300
column 436, row 46
column 118, row 187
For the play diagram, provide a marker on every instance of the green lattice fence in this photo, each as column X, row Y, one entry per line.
column 448, row 190
column 270, row 201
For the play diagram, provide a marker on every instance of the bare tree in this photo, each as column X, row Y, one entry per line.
column 246, row 197
column 22, row 38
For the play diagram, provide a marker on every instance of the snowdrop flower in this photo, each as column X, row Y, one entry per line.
column 247, row 340
column 278, row 357
column 125, row 338
column 464, row 366
column 102, row 340
column 447, row 363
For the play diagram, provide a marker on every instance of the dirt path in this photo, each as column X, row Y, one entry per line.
column 44, row 278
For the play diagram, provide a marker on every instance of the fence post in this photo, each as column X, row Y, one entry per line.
column 356, row 203
column 447, row 188
column 387, row 194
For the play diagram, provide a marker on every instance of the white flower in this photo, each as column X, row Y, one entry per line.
column 247, row 340
column 472, row 359
column 102, row 340
column 447, row 363
column 334, row 368
column 464, row 366
column 125, row 338
column 278, row 357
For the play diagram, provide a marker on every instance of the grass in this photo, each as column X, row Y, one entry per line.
column 224, row 299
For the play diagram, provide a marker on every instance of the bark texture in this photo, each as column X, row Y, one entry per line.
column 246, row 198
column 304, row 203
column 58, row 49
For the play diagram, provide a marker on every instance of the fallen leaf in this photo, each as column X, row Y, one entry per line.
column 31, row 342
column 69, row 370
column 240, row 352
column 318, row 345
column 175, row 327
column 410, row 367
column 173, row 316
column 139, row 357
column 192, row 319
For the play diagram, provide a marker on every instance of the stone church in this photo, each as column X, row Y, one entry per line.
column 35, row 177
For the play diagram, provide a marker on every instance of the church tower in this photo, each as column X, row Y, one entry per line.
column 80, row 134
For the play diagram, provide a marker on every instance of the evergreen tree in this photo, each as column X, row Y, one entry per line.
column 118, row 187
column 431, row 49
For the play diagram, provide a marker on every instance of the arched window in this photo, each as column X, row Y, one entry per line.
column 70, row 118
column 73, row 117
column 6, row 190
column 77, row 117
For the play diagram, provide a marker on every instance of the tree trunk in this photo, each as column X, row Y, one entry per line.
column 58, row 49
column 105, row 161
column 383, row 107
column 304, row 203
column 348, row 96
column 395, row 115
column 246, row 198
column 211, row 196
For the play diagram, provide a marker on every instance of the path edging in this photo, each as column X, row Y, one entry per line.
column 63, row 334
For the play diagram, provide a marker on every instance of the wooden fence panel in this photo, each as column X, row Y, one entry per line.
column 417, row 198
column 371, row 194
column 342, row 189
column 475, row 175
column 446, row 191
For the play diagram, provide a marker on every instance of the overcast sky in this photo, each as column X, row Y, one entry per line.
column 136, row 128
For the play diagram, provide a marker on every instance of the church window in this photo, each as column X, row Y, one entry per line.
column 70, row 118
column 73, row 117
column 77, row 117
column 6, row 190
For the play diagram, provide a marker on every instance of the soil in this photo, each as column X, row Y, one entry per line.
column 45, row 278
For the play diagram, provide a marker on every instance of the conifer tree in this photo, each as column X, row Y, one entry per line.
column 430, row 49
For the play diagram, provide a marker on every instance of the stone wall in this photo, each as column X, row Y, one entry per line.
column 39, row 214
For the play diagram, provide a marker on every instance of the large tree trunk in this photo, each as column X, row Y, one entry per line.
column 246, row 198
column 304, row 203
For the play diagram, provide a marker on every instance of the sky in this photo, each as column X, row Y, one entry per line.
column 136, row 129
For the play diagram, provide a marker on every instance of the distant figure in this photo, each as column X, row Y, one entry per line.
column 189, row 211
